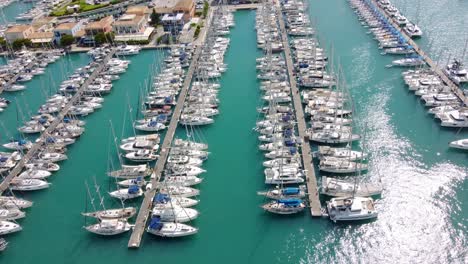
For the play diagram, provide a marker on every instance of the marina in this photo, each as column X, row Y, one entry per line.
column 279, row 122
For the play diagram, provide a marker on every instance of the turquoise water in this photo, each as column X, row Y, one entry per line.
column 423, row 209
column 10, row 12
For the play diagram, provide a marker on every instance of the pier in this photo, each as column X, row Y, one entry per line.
column 145, row 208
column 59, row 119
column 306, row 153
column 455, row 89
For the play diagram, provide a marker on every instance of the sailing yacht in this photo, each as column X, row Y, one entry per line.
column 338, row 165
column 175, row 213
column 170, row 229
column 162, row 200
column 284, row 206
column 110, row 227
column 142, row 155
column 120, row 213
column 283, row 193
column 28, row 184
column 127, row 193
column 131, row 171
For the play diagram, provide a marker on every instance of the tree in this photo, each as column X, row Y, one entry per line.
column 3, row 42
column 197, row 32
column 154, row 18
column 206, row 6
column 19, row 43
column 101, row 38
column 66, row 40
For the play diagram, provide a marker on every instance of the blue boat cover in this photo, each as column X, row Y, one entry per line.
column 161, row 198
column 133, row 189
column 291, row 201
column 290, row 191
column 155, row 223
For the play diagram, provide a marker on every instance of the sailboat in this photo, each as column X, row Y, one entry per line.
column 119, row 213
column 170, row 229
column 285, row 206
column 109, row 227
column 343, row 188
column 282, row 193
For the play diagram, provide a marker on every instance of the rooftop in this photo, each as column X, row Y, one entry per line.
column 138, row 10
column 18, row 29
column 101, row 23
column 66, row 26
column 128, row 20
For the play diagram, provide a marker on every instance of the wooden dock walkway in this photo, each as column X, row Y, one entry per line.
column 146, row 205
column 455, row 89
column 59, row 118
column 311, row 179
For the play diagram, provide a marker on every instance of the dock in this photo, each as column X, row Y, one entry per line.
column 59, row 119
column 455, row 89
column 146, row 205
column 306, row 153
column 244, row 6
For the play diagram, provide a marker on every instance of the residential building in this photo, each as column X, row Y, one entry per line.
column 18, row 32
column 92, row 29
column 186, row 7
column 102, row 26
column 132, row 27
column 173, row 23
column 70, row 28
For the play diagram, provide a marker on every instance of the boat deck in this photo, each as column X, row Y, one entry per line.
column 59, row 118
column 455, row 89
column 311, row 179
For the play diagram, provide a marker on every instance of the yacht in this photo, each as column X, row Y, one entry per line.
column 28, row 184
column 139, row 144
column 175, row 213
column 283, row 193
column 344, row 188
column 337, row 165
column 120, row 213
column 7, row 227
column 412, row 30
column 127, row 50
column 459, row 144
column 52, row 167
column 343, row 153
column 127, row 193
column 182, row 180
column 142, row 155
column 18, row 145
column 11, row 214
column 109, row 227
column 13, row 202
column 285, row 206
column 34, row 174
column 140, row 181
column 162, row 200
column 169, row 229
column 351, row 209
column 131, row 171
column 179, row 191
